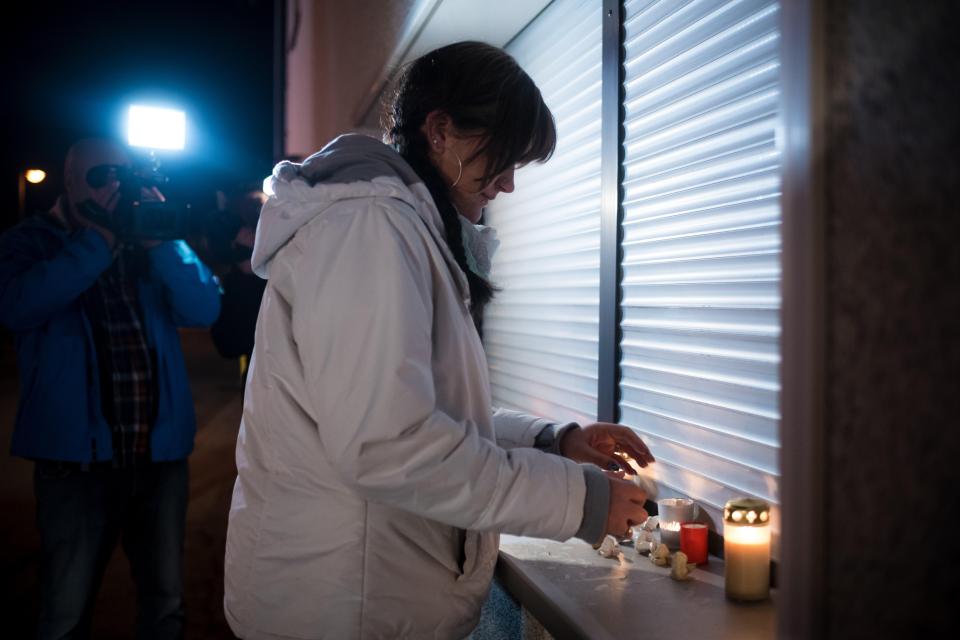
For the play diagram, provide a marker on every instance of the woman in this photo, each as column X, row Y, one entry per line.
column 373, row 475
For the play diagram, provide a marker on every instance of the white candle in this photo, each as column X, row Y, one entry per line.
column 746, row 549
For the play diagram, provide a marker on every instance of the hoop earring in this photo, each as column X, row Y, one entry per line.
column 459, row 169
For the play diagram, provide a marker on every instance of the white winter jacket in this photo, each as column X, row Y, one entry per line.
column 373, row 477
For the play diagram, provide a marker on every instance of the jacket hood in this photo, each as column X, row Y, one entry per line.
column 351, row 166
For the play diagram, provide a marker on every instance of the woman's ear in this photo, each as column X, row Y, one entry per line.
column 437, row 127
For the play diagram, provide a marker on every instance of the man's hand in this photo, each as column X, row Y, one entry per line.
column 106, row 197
column 151, row 195
column 609, row 446
column 626, row 507
column 79, row 220
column 246, row 237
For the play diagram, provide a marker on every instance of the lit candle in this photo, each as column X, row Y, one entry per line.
column 746, row 549
column 669, row 532
column 693, row 541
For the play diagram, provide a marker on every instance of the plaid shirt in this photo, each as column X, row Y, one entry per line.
column 127, row 381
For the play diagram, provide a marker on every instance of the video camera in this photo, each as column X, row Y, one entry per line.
column 136, row 216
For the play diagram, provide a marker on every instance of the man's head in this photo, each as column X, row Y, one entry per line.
column 99, row 154
column 246, row 205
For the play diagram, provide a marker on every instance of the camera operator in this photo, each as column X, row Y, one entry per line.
column 105, row 408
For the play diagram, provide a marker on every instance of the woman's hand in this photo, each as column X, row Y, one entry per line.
column 626, row 508
column 609, row 446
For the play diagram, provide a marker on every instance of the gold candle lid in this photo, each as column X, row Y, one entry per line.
column 747, row 512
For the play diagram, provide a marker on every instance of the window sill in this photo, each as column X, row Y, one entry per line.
column 575, row 593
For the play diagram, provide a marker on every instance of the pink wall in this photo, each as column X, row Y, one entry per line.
column 335, row 66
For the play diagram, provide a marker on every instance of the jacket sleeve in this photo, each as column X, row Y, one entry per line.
column 516, row 429
column 363, row 323
column 191, row 290
column 33, row 287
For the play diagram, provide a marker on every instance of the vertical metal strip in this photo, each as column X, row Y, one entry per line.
column 611, row 211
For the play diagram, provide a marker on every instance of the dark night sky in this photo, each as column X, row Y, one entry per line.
column 74, row 67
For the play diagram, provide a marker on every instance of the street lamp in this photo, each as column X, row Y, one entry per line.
column 33, row 176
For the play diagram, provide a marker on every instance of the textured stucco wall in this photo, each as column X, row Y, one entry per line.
column 893, row 299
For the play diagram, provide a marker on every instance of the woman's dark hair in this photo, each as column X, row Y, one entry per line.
column 482, row 90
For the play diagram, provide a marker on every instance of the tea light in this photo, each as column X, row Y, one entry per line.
column 746, row 549
column 693, row 541
column 673, row 512
column 673, row 529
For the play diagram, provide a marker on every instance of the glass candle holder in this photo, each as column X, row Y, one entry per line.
column 746, row 549
column 673, row 512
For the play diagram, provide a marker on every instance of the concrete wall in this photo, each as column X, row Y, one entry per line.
column 892, row 304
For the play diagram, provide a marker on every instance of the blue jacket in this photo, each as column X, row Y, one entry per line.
column 44, row 269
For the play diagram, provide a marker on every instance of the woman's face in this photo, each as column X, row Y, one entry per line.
column 469, row 192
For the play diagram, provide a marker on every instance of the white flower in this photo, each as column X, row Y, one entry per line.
column 609, row 548
column 680, row 569
column 660, row 556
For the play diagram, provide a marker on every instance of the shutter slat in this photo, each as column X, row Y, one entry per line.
column 541, row 332
column 701, row 244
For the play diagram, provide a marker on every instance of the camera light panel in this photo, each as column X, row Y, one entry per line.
column 156, row 127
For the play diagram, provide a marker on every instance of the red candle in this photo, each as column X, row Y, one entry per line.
column 693, row 541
